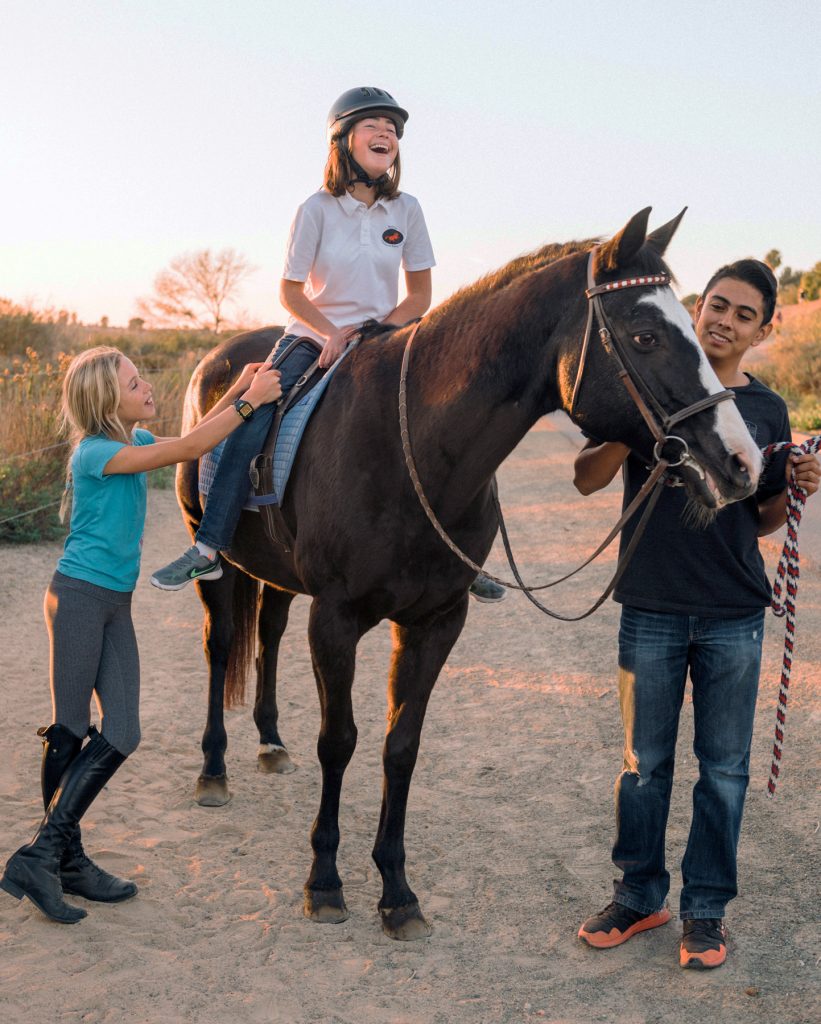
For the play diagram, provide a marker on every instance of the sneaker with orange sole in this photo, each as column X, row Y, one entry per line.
column 703, row 943
column 617, row 923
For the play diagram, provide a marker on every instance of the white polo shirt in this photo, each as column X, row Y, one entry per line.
column 349, row 255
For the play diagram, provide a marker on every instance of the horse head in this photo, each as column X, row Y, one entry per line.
column 640, row 341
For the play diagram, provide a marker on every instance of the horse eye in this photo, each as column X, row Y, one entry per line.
column 645, row 340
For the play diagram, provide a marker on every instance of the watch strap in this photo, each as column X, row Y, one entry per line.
column 244, row 408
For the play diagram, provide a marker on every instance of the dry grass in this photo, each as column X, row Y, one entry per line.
column 32, row 463
column 33, row 453
column 791, row 365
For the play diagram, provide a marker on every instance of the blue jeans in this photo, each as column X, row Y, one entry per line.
column 231, row 484
column 724, row 659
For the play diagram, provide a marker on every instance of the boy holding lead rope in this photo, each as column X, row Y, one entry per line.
column 693, row 598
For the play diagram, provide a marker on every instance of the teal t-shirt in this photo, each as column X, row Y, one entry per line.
column 107, row 516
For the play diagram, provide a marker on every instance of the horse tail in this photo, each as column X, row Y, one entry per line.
column 187, row 483
column 188, row 494
column 245, row 609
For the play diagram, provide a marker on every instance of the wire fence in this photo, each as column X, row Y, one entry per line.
column 34, row 451
column 10, row 375
column 31, row 474
column 30, row 511
column 64, row 444
column 47, row 448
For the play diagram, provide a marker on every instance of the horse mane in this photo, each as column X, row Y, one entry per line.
column 520, row 266
column 647, row 261
column 373, row 328
column 493, row 282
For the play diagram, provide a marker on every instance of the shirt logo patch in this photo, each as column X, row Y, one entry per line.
column 392, row 236
column 753, row 429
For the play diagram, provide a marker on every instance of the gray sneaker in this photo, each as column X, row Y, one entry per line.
column 485, row 590
column 191, row 565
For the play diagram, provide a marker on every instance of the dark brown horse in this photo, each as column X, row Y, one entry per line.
column 486, row 365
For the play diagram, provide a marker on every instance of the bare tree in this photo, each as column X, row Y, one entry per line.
column 196, row 290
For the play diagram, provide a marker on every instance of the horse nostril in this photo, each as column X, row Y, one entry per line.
column 739, row 471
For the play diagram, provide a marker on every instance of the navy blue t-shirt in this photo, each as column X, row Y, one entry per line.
column 717, row 572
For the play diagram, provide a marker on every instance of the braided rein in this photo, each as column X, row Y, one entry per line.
column 785, row 590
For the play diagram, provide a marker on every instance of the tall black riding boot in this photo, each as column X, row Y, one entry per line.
column 34, row 871
column 79, row 875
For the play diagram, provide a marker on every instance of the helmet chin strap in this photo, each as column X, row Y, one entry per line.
column 362, row 174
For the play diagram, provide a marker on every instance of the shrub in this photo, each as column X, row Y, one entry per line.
column 811, row 283
column 46, row 331
column 793, row 368
column 788, row 294
column 807, row 415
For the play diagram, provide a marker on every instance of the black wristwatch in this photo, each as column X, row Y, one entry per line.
column 245, row 409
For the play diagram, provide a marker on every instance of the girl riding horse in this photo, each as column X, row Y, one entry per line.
column 347, row 244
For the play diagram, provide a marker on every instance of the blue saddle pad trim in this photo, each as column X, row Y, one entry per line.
column 291, row 430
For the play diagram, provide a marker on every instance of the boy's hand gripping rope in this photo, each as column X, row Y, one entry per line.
column 786, row 576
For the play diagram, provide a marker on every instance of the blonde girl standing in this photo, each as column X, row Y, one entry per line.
column 93, row 649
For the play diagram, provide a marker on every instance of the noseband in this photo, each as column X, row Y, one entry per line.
column 653, row 414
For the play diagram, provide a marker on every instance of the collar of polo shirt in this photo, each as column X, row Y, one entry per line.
column 351, row 205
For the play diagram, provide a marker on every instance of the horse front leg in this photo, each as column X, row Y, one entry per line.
column 274, row 606
column 218, row 634
column 419, row 653
column 333, row 632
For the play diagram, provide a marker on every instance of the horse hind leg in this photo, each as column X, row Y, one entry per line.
column 420, row 651
column 230, row 606
column 333, row 632
column 272, row 757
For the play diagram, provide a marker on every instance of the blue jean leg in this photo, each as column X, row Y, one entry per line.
column 652, row 676
column 724, row 659
column 231, row 484
column 725, row 665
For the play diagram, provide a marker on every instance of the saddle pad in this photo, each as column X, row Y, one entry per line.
column 208, row 468
column 290, row 434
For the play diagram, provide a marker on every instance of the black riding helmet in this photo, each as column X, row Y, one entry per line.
column 354, row 104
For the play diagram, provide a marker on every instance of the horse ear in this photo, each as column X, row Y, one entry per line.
column 660, row 238
column 621, row 248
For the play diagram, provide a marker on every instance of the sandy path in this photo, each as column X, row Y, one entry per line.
column 509, row 823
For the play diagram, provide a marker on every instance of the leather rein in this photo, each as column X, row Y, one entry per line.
column 658, row 421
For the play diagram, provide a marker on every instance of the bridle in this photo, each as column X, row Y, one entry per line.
column 656, row 418
column 653, row 414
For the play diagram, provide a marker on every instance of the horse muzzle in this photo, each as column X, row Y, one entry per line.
column 738, row 480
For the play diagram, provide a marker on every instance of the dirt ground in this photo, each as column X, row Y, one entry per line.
column 508, row 834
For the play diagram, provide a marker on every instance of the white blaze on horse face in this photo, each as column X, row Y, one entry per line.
column 729, row 424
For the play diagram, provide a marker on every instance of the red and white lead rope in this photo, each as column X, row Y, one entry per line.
column 786, row 579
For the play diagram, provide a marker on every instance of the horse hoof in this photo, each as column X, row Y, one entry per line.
column 325, row 906
column 407, row 924
column 212, row 791
column 274, row 761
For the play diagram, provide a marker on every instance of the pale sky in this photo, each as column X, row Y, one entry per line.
column 133, row 132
